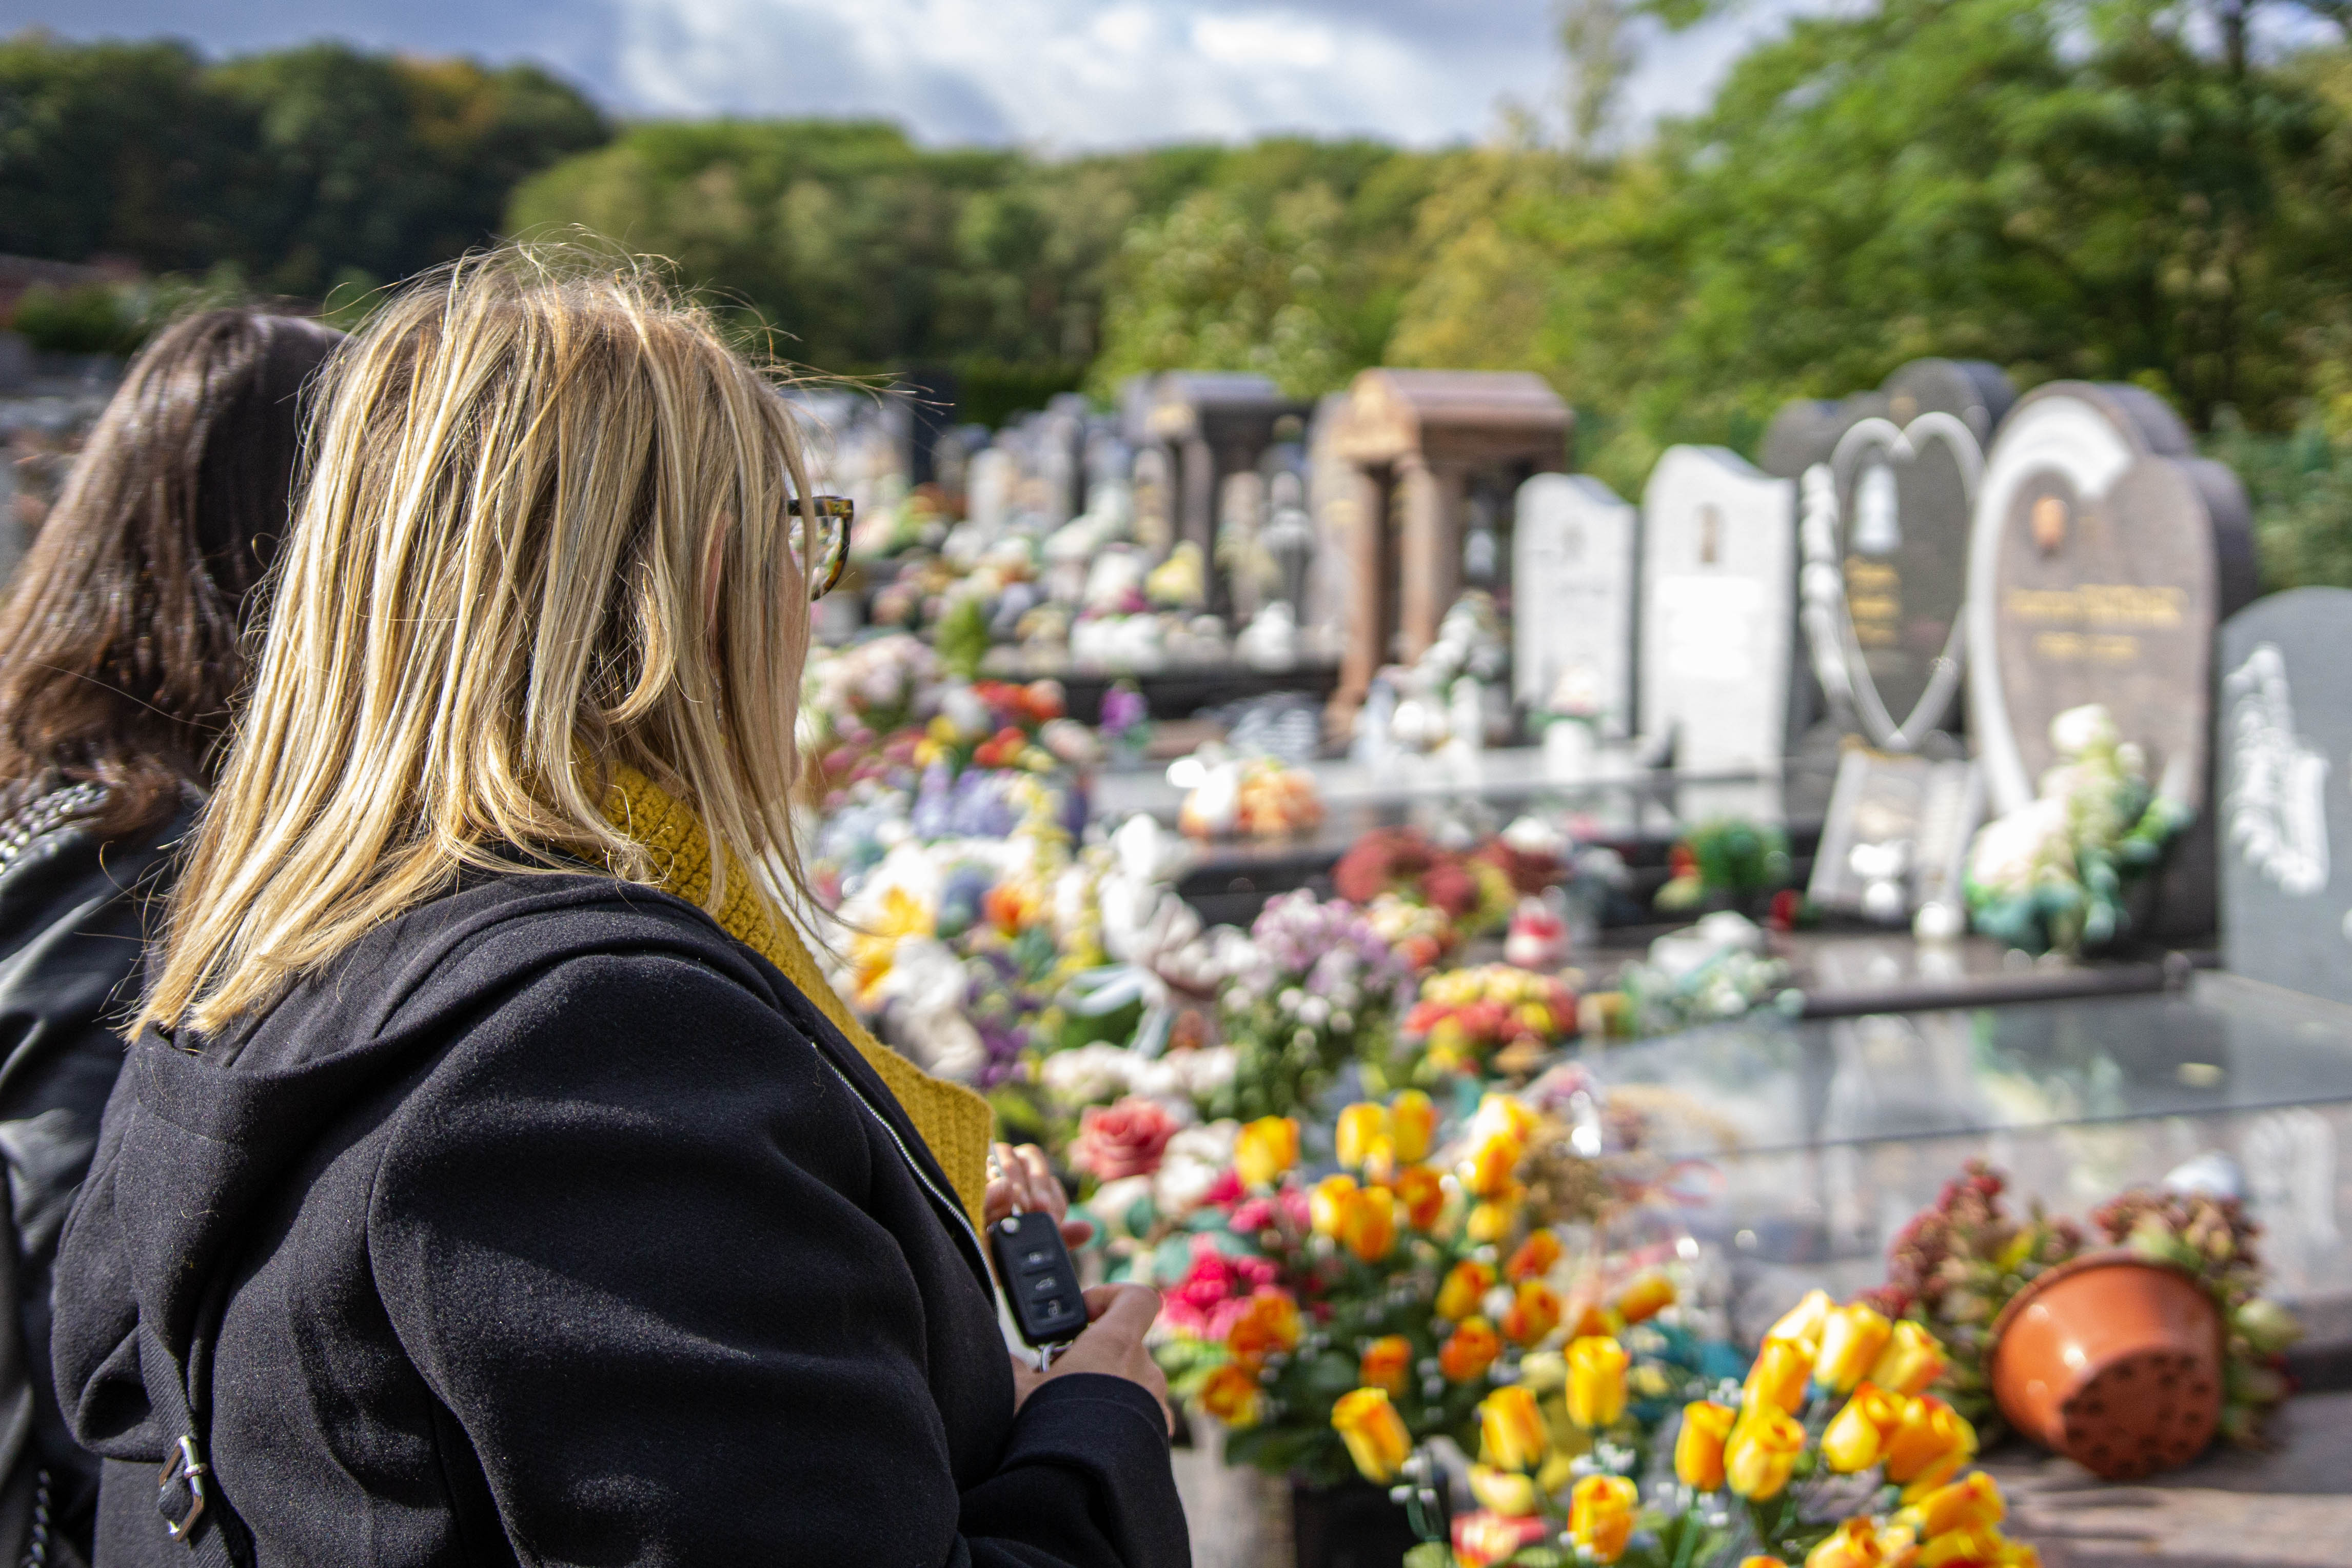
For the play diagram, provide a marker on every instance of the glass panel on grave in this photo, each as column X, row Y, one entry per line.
column 1816, row 1141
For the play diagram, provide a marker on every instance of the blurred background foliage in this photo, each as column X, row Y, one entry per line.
column 2115, row 189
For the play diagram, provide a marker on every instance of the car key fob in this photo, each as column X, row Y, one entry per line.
column 1039, row 1278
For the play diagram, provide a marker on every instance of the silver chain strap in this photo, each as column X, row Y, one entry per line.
column 45, row 816
column 37, row 1549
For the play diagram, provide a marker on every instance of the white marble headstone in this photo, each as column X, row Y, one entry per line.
column 1719, row 609
column 988, row 490
column 1572, row 598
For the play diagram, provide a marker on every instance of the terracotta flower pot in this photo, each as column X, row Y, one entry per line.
column 2114, row 1361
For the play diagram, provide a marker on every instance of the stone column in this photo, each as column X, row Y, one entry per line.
column 1432, row 550
column 1362, row 517
column 1196, row 495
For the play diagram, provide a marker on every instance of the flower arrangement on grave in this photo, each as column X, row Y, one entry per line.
column 1251, row 797
column 1717, row 969
column 2056, row 874
column 1725, row 858
column 1830, row 1453
column 1488, row 1019
column 1318, row 989
column 1476, row 891
column 1960, row 1260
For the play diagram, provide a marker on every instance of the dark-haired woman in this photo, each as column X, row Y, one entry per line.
column 120, row 659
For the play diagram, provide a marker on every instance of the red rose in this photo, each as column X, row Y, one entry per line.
column 1126, row 1140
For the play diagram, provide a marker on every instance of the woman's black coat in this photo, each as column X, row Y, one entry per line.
column 556, row 1227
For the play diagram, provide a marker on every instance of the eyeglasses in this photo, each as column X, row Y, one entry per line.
column 838, row 512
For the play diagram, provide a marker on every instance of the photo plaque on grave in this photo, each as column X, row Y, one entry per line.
column 2284, row 783
column 1572, row 599
column 1719, row 609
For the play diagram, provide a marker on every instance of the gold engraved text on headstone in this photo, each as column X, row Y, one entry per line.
column 1873, row 599
column 2137, row 605
column 2081, row 648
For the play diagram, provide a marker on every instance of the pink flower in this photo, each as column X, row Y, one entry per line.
column 1214, row 1292
column 1126, row 1140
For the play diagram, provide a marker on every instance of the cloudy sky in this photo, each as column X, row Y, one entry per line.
column 1059, row 74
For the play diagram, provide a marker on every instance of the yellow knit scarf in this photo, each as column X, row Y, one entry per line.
column 953, row 1120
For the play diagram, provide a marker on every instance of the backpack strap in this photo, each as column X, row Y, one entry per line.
column 193, row 1510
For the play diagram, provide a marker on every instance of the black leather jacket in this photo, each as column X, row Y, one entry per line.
column 73, row 915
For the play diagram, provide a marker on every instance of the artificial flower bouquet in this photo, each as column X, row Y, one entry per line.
column 1830, row 1453
column 1491, row 1019
column 1317, row 988
column 1962, row 1260
column 2056, row 874
column 1725, row 858
column 1477, row 891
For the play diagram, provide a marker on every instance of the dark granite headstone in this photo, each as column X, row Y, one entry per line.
column 2102, row 556
column 1887, row 483
column 2283, row 782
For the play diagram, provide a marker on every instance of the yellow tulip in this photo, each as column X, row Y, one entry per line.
column 1852, row 1338
column 1650, row 1295
column 1367, row 1225
column 1233, row 1395
column 1423, row 1193
column 1464, row 1288
column 1762, row 1451
column 1534, row 1314
column 1327, row 1203
column 1855, row 1437
column 1596, row 1382
column 1535, row 1256
column 1470, row 1352
column 1802, row 1322
column 1413, row 1125
column 1492, row 1221
column 1374, row 1433
column 1491, row 1166
column 1506, row 1492
column 1698, row 1448
column 1778, row 1379
column 1512, row 1435
column 1385, row 1363
column 1966, row 1549
column 1853, row 1544
column 1758, row 1560
column 1972, row 1504
column 1361, row 1126
column 1911, row 1362
column 1268, row 1325
column 1929, row 1449
column 1265, row 1148
column 1601, row 1516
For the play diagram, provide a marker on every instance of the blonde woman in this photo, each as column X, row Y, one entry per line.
column 493, row 1179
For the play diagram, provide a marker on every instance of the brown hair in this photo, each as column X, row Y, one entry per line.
column 120, row 653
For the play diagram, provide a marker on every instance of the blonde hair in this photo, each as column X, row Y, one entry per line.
column 499, row 586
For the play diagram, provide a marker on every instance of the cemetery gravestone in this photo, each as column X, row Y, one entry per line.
column 2283, row 780
column 1887, row 492
column 2103, row 553
column 1719, row 609
column 1896, row 834
column 1574, row 543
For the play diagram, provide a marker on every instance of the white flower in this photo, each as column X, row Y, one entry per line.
column 2084, row 729
column 1194, row 1160
column 1089, row 1074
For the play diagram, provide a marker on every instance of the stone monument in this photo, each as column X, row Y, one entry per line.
column 2104, row 554
column 1886, row 485
column 1719, row 610
column 1574, row 544
column 1215, row 425
column 1420, row 442
column 2283, row 782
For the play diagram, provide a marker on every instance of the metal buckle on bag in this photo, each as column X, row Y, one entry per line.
column 184, row 1465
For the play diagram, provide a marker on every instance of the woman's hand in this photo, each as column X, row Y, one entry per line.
column 1112, row 1341
column 1020, row 1182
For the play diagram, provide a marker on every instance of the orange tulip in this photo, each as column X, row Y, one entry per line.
column 1852, row 1338
column 1423, row 1193
column 1512, row 1433
column 1361, row 1126
column 1699, row 1446
column 1367, row 1225
column 1385, row 1363
column 1470, row 1352
column 1267, row 1325
column 1535, row 1256
column 1233, row 1395
column 1984, row 1548
column 1911, row 1362
column 1492, row 1220
column 1972, row 1504
column 1596, row 1382
column 1778, row 1379
column 1856, row 1435
column 1412, row 1124
column 1650, row 1295
column 1327, row 1203
column 1265, row 1148
column 1489, row 1537
column 1375, row 1434
column 1534, row 1314
column 1762, row 1451
column 1802, row 1322
column 1601, row 1516
column 1464, row 1288
column 1853, row 1544
column 1930, row 1446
